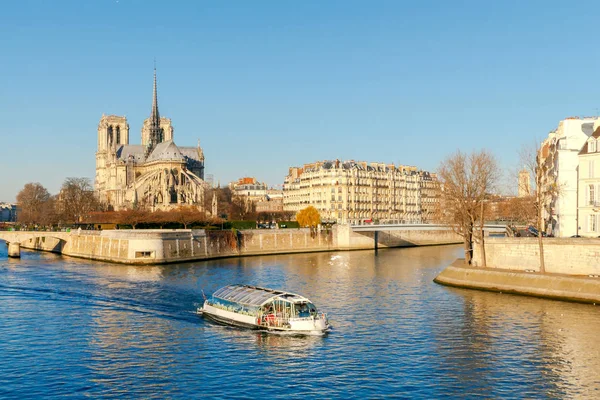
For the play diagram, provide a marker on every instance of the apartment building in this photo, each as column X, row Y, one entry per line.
column 267, row 200
column 361, row 192
column 588, row 217
column 560, row 154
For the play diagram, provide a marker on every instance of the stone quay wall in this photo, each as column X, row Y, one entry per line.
column 166, row 246
column 571, row 256
column 554, row 286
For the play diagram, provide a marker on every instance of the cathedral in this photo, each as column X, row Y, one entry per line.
column 156, row 175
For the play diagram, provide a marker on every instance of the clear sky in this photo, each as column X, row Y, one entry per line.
column 266, row 85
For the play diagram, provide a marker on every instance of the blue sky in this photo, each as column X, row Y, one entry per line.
column 271, row 84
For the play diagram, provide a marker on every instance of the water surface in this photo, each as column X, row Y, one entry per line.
column 70, row 327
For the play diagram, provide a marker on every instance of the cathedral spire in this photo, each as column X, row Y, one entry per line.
column 156, row 135
column 155, row 116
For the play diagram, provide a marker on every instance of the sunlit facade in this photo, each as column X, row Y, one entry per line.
column 360, row 192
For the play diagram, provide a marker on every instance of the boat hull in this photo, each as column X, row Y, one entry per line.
column 227, row 321
column 301, row 326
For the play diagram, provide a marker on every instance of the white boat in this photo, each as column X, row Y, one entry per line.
column 267, row 309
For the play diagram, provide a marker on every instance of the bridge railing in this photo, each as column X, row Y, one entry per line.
column 489, row 228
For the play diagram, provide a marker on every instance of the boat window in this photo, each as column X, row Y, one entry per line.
column 232, row 306
column 305, row 309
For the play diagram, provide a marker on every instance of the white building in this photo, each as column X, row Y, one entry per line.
column 589, row 187
column 360, row 192
column 561, row 150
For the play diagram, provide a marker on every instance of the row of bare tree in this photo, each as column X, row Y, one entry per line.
column 467, row 182
column 76, row 203
column 75, row 200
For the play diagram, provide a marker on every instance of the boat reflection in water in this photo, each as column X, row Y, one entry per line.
column 266, row 309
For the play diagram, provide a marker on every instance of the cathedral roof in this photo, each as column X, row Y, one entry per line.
column 136, row 151
column 167, row 151
column 191, row 153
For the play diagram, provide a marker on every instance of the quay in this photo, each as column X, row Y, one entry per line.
column 572, row 269
column 156, row 246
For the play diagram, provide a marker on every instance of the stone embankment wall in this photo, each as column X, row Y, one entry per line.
column 571, row 256
column 554, row 286
column 164, row 246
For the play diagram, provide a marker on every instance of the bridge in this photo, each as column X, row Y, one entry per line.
column 47, row 241
column 487, row 228
column 392, row 235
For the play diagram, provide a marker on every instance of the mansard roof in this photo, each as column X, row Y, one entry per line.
column 359, row 165
column 595, row 135
column 167, row 151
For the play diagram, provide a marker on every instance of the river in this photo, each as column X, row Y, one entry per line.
column 96, row 330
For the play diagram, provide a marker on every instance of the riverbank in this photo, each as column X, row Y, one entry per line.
column 577, row 288
column 171, row 246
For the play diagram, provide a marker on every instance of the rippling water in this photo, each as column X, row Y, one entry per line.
column 90, row 329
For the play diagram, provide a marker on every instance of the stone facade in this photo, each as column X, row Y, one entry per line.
column 589, row 187
column 157, row 174
column 359, row 192
column 559, row 153
column 258, row 193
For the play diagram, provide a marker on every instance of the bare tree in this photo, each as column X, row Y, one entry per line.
column 242, row 208
column 538, row 162
column 76, row 199
column 32, row 200
column 160, row 217
column 465, row 180
column 49, row 216
column 132, row 217
column 287, row 215
column 187, row 215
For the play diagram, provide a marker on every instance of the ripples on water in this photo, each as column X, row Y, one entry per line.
column 89, row 329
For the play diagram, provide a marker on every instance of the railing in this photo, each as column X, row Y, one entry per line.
column 383, row 226
column 283, row 321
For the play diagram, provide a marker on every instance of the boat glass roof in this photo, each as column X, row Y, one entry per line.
column 249, row 295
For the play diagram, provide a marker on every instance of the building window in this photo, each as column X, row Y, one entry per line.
column 592, row 223
column 592, row 146
column 591, row 194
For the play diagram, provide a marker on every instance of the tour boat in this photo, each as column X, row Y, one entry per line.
column 267, row 309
